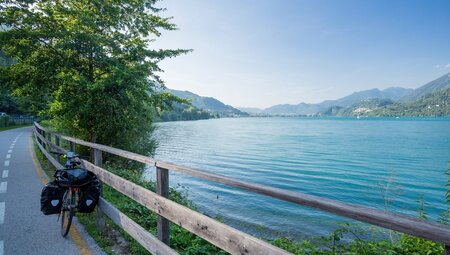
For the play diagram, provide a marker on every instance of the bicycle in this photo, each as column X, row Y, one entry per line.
column 72, row 178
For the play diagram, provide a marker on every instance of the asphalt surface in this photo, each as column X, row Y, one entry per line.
column 23, row 227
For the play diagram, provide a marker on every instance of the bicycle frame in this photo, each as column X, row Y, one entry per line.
column 69, row 199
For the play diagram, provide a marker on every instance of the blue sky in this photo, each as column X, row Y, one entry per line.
column 258, row 53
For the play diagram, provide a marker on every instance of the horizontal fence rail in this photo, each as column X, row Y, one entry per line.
column 215, row 232
column 147, row 240
column 405, row 224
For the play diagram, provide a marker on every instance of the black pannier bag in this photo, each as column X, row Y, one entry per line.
column 51, row 198
column 77, row 177
column 89, row 195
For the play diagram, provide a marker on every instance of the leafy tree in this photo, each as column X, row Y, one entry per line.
column 7, row 104
column 89, row 66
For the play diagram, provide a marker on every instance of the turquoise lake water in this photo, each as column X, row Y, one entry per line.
column 349, row 160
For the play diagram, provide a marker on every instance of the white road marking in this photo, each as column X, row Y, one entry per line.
column 2, row 213
column 5, row 174
column 1, row 247
column 11, row 147
column 3, row 187
column 6, row 162
column 8, row 156
column 9, row 151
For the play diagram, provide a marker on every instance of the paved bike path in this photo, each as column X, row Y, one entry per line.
column 23, row 228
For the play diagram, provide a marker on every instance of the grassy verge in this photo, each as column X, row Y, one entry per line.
column 14, row 127
column 345, row 240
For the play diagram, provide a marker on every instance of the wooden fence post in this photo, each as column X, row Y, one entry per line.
column 38, row 131
column 58, row 143
column 162, row 188
column 40, row 140
column 44, row 144
column 72, row 147
column 49, row 138
column 97, row 160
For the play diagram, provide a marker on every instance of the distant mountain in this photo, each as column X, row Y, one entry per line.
column 250, row 110
column 393, row 93
column 209, row 104
column 374, row 101
column 434, row 104
column 440, row 83
column 362, row 108
column 292, row 110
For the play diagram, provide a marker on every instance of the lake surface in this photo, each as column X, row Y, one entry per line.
column 349, row 160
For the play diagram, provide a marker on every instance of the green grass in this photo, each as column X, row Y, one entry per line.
column 14, row 127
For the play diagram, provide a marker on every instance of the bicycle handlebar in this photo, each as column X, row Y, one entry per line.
column 67, row 155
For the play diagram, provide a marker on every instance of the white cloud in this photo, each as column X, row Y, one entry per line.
column 437, row 66
column 447, row 65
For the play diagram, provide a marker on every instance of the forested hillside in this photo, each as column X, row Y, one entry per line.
column 209, row 104
column 185, row 112
column 434, row 104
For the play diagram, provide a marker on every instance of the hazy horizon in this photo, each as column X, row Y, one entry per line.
column 262, row 53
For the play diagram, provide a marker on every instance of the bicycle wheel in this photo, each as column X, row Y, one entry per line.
column 67, row 212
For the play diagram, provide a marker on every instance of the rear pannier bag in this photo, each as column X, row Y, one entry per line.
column 51, row 198
column 77, row 177
column 89, row 196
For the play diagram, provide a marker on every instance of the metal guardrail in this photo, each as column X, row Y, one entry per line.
column 219, row 234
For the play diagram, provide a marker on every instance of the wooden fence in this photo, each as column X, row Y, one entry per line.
column 217, row 233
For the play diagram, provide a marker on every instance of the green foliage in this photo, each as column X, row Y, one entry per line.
column 88, row 65
column 347, row 240
column 7, row 103
column 417, row 246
